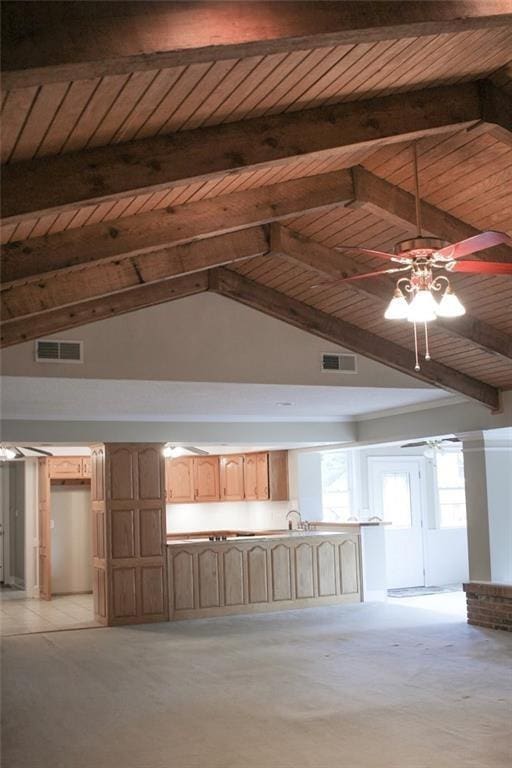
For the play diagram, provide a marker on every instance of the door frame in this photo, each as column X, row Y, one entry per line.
column 420, row 462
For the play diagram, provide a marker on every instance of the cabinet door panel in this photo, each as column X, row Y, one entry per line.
column 180, row 479
column 250, row 476
column 67, row 466
column 262, row 476
column 232, row 478
column 206, row 478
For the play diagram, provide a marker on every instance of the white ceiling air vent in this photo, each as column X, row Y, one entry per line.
column 339, row 363
column 49, row 351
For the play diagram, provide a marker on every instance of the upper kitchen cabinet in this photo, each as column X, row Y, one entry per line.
column 262, row 475
column 256, row 476
column 278, row 476
column 69, row 467
column 179, row 479
column 232, row 478
column 206, row 478
column 250, row 476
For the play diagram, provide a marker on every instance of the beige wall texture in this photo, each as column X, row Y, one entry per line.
column 201, row 338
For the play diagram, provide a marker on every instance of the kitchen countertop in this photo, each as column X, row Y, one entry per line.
column 317, row 527
column 252, row 536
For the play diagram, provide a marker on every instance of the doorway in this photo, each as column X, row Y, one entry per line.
column 395, row 497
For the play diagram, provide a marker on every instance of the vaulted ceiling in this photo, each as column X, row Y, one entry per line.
column 155, row 150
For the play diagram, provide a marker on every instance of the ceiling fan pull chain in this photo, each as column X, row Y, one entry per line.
column 427, row 351
column 416, row 188
column 417, row 364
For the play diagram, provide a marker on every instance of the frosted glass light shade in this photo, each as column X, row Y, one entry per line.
column 172, row 452
column 7, row 454
column 398, row 307
column 450, row 306
column 423, row 308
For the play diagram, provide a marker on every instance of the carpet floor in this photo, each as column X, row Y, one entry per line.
column 360, row 686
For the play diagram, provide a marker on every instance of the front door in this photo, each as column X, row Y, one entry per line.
column 395, row 497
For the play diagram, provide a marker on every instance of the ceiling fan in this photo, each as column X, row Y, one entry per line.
column 418, row 260
column 16, row 452
column 173, row 451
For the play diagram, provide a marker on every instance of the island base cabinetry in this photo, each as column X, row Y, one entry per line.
column 214, row 579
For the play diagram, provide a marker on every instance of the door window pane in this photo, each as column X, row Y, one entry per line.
column 451, row 489
column 396, row 499
column 335, row 487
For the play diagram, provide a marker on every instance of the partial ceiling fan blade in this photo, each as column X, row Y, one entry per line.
column 415, row 445
column 450, row 440
column 199, row 451
column 483, row 267
column 474, row 244
column 359, row 276
column 365, row 251
column 36, row 450
column 19, row 454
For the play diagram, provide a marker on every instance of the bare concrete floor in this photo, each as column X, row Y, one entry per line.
column 362, row 686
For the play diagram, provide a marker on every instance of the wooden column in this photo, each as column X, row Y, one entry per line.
column 129, row 533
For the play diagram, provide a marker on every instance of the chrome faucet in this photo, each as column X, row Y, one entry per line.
column 294, row 512
column 302, row 525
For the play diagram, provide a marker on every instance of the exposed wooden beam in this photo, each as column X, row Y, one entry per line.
column 133, row 235
column 47, row 42
column 66, row 288
column 141, row 167
column 396, row 205
column 339, row 264
column 18, row 331
column 497, row 111
column 267, row 300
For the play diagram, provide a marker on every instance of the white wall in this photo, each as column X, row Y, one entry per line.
column 251, row 515
column 71, row 539
column 498, row 464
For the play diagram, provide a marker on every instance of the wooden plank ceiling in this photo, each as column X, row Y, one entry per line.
column 466, row 173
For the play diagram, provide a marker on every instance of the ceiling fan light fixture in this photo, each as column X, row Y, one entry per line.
column 450, row 305
column 7, row 454
column 423, row 307
column 398, row 308
column 173, row 451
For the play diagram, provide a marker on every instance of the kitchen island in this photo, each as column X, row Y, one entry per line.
column 258, row 573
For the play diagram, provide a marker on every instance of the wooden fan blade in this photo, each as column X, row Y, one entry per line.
column 483, row 267
column 473, row 245
column 365, row 251
column 414, row 445
column 359, row 276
